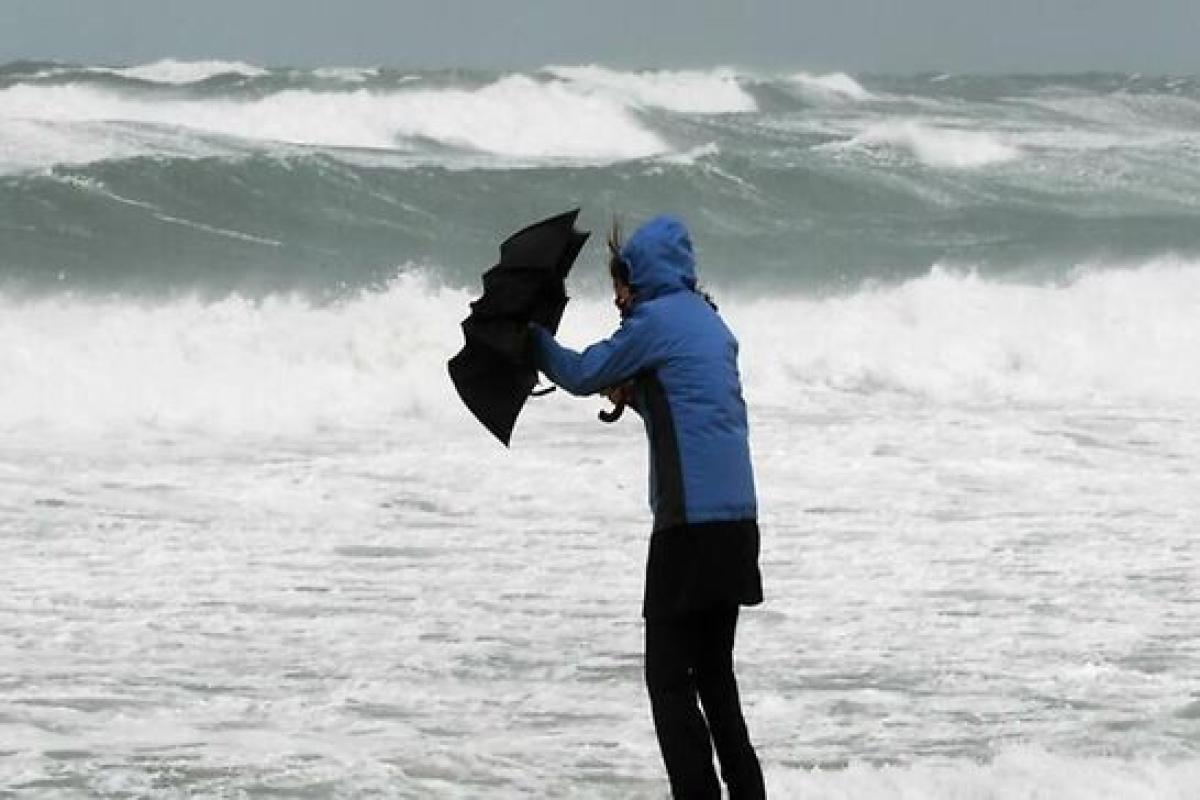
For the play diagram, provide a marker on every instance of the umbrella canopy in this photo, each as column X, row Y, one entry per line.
column 492, row 373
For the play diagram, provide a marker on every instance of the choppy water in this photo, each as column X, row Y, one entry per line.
column 254, row 546
column 221, row 176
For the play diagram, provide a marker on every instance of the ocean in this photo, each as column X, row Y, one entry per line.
column 254, row 546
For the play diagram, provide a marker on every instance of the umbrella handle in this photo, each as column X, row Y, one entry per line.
column 613, row 415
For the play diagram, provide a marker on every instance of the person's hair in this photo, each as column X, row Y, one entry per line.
column 618, row 268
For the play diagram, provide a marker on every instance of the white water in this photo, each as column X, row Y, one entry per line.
column 284, row 366
column 515, row 117
column 259, row 548
column 701, row 92
column 961, row 603
column 254, row 549
column 175, row 71
column 833, row 86
column 1113, row 336
column 584, row 115
column 938, row 146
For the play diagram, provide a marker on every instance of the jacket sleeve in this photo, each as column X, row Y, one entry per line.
column 606, row 363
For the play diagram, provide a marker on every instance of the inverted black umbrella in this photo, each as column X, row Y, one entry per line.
column 492, row 372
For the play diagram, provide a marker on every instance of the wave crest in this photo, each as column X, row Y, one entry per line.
column 515, row 116
column 281, row 366
column 938, row 146
column 835, row 85
column 286, row 365
column 1110, row 336
column 173, row 71
column 700, row 92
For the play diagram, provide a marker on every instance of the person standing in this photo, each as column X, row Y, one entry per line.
column 674, row 361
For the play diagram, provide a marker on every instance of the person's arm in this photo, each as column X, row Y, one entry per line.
column 606, row 364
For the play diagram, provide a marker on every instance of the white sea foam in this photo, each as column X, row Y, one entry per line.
column 513, row 117
column 1020, row 774
column 1109, row 336
column 174, row 71
column 836, row 85
column 712, row 92
column 281, row 366
column 1155, row 113
column 30, row 145
column 348, row 74
column 692, row 157
column 937, row 146
column 286, row 366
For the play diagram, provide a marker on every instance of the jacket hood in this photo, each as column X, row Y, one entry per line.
column 660, row 258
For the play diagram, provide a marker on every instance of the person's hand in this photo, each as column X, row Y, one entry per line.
column 620, row 396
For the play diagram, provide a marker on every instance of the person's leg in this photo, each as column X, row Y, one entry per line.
column 683, row 736
column 719, row 693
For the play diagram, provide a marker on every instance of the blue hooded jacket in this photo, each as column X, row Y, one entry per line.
column 682, row 360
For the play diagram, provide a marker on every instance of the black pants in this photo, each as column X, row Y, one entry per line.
column 687, row 656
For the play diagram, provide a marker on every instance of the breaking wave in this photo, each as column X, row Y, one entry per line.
column 702, row 92
column 287, row 365
column 938, row 146
column 836, row 85
column 174, row 71
column 515, row 116
column 1107, row 336
column 220, row 177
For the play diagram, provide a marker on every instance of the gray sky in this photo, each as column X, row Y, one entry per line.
column 1149, row 36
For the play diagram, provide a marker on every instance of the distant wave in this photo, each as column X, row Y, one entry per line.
column 938, row 146
column 349, row 74
column 322, row 180
column 515, row 116
column 1159, row 111
column 837, row 85
column 712, row 91
column 30, row 145
column 561, row 113
column 173, row 71
column 589, row 113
